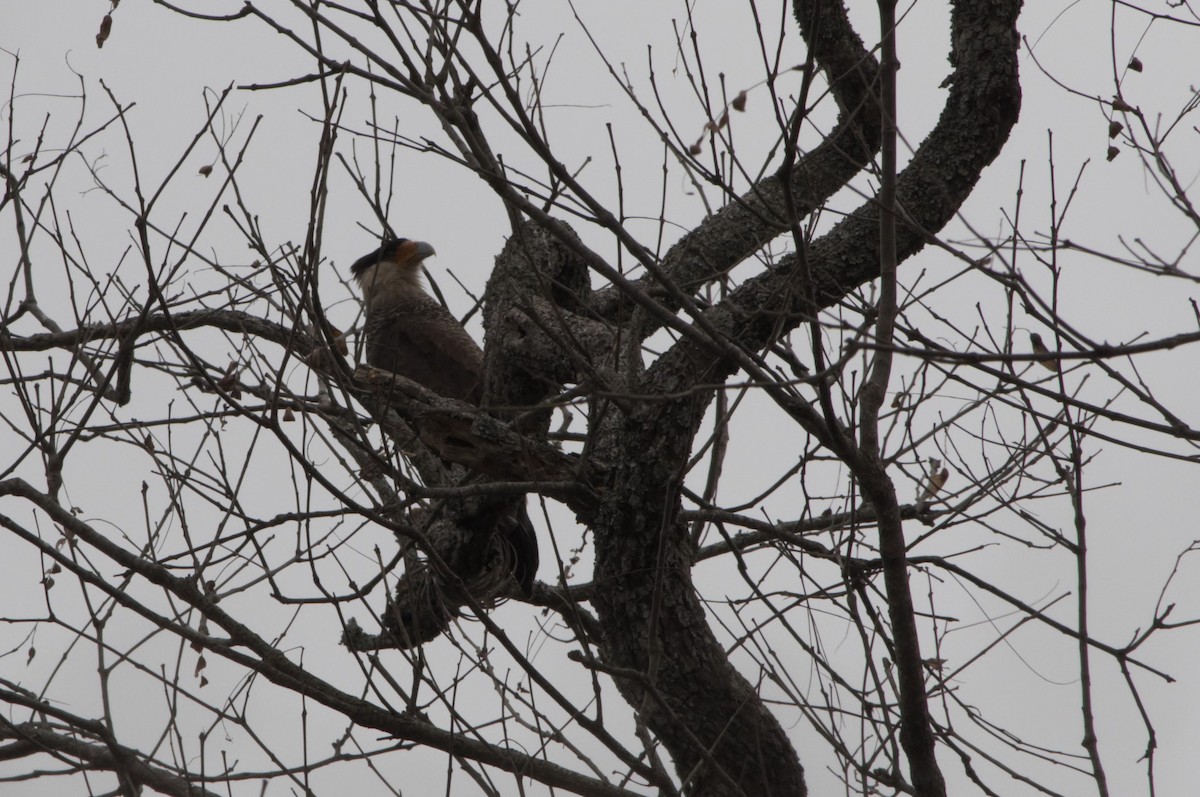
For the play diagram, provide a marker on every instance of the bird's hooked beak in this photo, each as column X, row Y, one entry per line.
column 423, row 251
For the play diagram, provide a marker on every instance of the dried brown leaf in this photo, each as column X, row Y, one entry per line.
column 105, row 29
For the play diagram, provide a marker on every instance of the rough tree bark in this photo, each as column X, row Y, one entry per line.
column 720, row 734
column 546, row 330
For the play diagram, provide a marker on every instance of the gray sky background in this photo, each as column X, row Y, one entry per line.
column 1138, row 526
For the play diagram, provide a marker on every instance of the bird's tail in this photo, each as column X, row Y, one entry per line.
column 523, row 540
column 502, row 550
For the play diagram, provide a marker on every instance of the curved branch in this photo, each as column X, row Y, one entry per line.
column 228, row 320
column 980, row 112
column 754, row 219
column 652, row 620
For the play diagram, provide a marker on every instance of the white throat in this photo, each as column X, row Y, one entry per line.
column 384, row 282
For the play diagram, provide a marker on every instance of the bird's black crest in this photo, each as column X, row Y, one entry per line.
column 384, row 252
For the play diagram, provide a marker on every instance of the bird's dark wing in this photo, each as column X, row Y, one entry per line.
column 420, row 340
column 416, row 337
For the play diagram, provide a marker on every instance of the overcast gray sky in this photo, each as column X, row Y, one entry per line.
column 170, row 67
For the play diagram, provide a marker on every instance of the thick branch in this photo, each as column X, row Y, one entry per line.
column 974, row 125
column 756, row 218
column 652, row 620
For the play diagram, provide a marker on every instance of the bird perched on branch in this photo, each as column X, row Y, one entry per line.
column 410, row 333
column 1039, row 348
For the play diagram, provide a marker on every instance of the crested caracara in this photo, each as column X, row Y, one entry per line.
column 410, row 333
